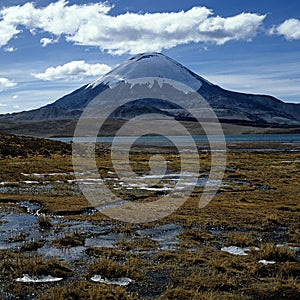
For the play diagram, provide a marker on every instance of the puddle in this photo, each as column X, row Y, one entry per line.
column 122, row 281
column 64, row 254
column 264, row 188
column 237, row 250
column 46, row 186
column 243, row 182
column 16, row 223
column 110, row 205
column 31, row 207
column 289, row 247
column 296, row 249
column 201, row 182
column 43, row 175
column 18, row 228
column 142, row 186
column 29, row 187
column 107, row 240
column 30, row 182
column 266, row 262
column 165, row 235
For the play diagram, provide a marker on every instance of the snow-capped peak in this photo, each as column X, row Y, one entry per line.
column 149, row 65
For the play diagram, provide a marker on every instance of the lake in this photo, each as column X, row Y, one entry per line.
column 283, row 138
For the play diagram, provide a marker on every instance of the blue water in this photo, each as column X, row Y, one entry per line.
column 283, row 138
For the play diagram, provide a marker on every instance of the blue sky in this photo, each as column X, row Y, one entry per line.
column 49, row 48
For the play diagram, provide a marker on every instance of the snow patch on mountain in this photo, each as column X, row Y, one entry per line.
column 149, row 65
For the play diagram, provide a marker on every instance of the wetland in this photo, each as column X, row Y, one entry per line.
column 243, row 245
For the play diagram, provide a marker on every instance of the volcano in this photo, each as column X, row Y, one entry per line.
column 238, row 112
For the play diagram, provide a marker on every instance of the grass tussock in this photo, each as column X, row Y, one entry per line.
column 275, row 288
column 274, row 252
column 69, row 240
column 107, row 253
column 294, row 235
column 44, row 222
column 127, row 229
column 137, row 244
column 111, row 269
column 14, row 265
column 31, row 246
column 241, row 239
column 85, row 290
column 271, row 220
column 195, row 237
column 18, row 238
column 183, row 294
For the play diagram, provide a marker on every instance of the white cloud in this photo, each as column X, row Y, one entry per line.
column 57, row 18
column 47, row 41
column 91, row 25
column 290, row 29
column 133, row 33
column 7, row 32
column 6, row 83
column 10, row 49
column 73, row 69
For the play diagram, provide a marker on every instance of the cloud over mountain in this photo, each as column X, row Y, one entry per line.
column 6, row 83
column 73, row 69
column 290, row 29
column 90, row 24
column 47, row 41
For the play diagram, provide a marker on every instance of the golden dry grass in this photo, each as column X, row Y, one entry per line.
column 258, row 207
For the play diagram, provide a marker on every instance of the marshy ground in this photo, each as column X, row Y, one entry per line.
column 243, row 245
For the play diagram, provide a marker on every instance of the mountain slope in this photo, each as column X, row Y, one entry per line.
column 230, row 107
